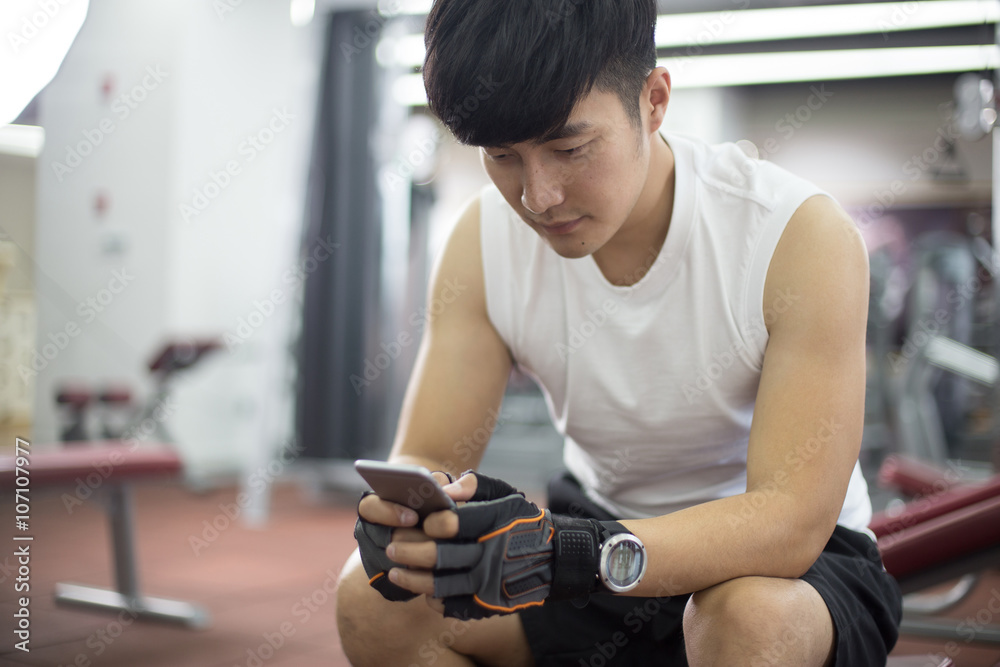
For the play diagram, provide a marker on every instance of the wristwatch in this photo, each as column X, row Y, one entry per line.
column 622, row 559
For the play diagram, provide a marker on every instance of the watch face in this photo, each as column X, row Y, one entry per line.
column 624, row 562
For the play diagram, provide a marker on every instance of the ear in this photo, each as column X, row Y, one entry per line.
column 656, row 97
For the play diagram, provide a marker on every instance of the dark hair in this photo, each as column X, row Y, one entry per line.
column 501, row 72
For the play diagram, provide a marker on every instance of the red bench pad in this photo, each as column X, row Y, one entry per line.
column 48, row 467
column 936, row 529
column 914, row 477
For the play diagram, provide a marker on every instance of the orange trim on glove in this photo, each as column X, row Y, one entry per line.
column 511, row 525
column 516, row 607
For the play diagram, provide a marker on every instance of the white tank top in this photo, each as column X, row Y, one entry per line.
column 653, row 386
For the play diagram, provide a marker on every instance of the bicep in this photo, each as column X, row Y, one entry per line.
column 809, row 413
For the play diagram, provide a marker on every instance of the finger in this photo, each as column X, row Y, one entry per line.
column 410, row 535
column 441, row 525
column 458, row 556
column 449, row 585
column 413, row 554
column 435, row 604
column 374, row 509
column 441, row 477
column 463, row 488
column 421, row 583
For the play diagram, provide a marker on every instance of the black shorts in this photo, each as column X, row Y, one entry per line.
column 864, row 602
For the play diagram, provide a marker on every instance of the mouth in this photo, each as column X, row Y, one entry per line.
column 561, row 228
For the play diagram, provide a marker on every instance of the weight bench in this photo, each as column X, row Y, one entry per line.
column 952, row 532
column 116, row 466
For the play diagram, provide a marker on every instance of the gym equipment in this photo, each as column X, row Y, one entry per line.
column 173, row 357
column 117, row 414
column 73, row 400
column 953, row 531
column 116, row 410
column 937, row 358
column 116, row 466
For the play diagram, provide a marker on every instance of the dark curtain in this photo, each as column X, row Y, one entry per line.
column 336, row 419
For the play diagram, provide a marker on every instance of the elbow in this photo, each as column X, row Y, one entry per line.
column 805, row 544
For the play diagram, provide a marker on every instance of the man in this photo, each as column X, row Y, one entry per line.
column 696, row 320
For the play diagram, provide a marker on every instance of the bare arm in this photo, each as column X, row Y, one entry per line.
column 807, row 424
column 454, row 394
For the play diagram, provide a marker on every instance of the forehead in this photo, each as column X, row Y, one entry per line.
column 595, row 111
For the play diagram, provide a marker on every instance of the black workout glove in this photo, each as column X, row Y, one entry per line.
column 510, row 555
column 372, row 539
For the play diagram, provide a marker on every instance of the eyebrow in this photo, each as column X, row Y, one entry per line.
column 566, row 131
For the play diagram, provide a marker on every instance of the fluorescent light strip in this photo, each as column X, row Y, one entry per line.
column 758, row 68
column 22, row 140
column 757, row 25
column 301, row 12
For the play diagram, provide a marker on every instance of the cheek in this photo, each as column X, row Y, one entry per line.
column 606, row 178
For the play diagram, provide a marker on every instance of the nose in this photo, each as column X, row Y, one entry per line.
column 542, row 188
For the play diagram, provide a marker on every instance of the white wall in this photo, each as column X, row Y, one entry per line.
column 96, row 143
column 857, row 138
column 211, row 81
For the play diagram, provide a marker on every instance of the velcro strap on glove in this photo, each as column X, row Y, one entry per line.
column 372, row 540
column 577, row 543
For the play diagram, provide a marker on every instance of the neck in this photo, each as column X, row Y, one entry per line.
column 628, row 255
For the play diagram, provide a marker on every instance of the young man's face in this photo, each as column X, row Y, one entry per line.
column 578, row 187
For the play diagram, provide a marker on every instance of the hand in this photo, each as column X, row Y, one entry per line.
column 497, row 554
column 412, row 550
column 377, row 521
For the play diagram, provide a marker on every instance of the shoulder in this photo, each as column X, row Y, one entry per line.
column 821, row 265
column 739, row 178
column 458, row 269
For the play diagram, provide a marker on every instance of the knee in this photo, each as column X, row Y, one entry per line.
column 749, row 615
column 736, row 605
column 373, row 630
column 356, row 612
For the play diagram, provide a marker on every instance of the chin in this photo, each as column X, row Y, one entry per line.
column 572, row 248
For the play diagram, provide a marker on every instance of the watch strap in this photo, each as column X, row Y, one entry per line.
column 610, row 529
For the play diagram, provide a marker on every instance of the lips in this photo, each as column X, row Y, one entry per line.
column 562, row 228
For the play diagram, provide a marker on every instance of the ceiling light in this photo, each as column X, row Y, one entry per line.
column 757, row 68
column 757, row 25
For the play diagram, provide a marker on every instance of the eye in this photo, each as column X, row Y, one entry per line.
column 573, row 151
column 498, row 156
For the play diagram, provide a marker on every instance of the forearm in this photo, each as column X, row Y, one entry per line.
column 428, row 462
column 751, row 534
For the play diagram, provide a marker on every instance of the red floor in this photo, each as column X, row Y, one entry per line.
column 255, row 583
column 252, row 582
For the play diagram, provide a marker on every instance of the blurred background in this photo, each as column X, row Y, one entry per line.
column 217, row 220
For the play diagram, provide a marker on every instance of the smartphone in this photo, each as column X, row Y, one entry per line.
column 409, row 485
